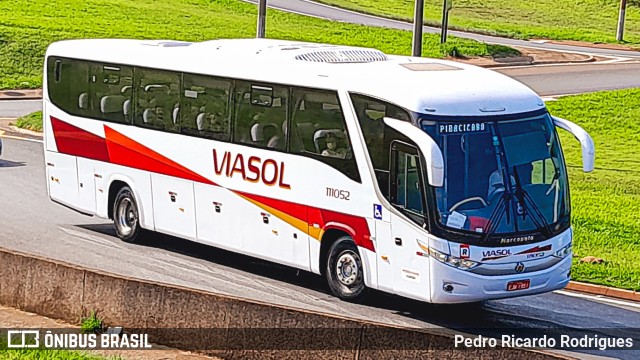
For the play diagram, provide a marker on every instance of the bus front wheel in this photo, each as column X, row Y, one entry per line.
column 126, row 216
column 344, row 270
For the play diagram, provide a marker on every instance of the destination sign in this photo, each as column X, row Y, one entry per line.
column 461, row 128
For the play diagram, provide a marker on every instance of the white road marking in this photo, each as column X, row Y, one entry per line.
column 615, row 59
column 598, row 298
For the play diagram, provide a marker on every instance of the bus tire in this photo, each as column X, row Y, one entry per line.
column 126, row 216
column 344, row 270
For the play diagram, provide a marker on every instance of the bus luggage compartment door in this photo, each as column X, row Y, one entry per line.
column 86, row 186
column 218, row 220
column 173, row 206
column 62, row 178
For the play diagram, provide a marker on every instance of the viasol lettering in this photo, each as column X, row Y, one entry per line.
column 252, row 169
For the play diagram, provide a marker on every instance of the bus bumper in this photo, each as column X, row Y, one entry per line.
column 468, row 287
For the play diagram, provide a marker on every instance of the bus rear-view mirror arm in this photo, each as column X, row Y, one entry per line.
column 426, row 145
column 586, row 142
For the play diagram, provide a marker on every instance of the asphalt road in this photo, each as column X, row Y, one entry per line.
column 311, row 8
column 29, row 222
column 549, row 80
column 16, row 108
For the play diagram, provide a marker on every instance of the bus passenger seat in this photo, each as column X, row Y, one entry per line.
column 274, row 142
column 257, row 133
column 83, row 101
column 272, row 136
column 176, row 113
column 200, row 121
column 148, row 116
column 126, row 108
column 112, row 104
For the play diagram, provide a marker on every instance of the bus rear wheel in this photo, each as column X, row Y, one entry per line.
column 344, row 270
column 126, row 216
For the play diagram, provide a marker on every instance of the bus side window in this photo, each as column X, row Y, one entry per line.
column 407, row 190
column 68, row 83
column 261, row 115
column 205, row 107
column 318, row 130
column 157, row 99
column 370, row 114
column 111, row 91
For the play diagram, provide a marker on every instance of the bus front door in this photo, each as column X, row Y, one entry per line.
column 409, row 264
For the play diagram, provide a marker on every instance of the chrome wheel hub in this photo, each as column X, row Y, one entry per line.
column 347, row 269
column 126, row 217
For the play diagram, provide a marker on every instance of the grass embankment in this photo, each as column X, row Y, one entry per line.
column 27, row 27
column 45, row 354
column 585, row 20
column 605, row 202
column 32, row 121
column 42, row 354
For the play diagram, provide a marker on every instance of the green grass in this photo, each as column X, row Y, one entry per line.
column 44, row 354
column 584, row 20
column 27, row 27
column 605, row 202
column 32, row 121
column 91, row 324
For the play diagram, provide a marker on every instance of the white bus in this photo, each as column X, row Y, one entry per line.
column 376, row 171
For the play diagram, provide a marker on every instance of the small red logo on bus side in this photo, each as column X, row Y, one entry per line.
column 465, row 252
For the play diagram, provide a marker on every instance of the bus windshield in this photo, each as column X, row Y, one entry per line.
column 479, row 155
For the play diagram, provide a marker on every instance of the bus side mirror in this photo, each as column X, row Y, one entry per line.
column 586, row 142
column 428, row 148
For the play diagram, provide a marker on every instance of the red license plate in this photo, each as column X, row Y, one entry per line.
column 518, row 285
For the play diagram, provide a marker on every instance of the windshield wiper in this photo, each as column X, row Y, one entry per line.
column 496, row 215
column 525, row 200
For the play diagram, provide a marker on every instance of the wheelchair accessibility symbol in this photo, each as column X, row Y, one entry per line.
column 377, row 211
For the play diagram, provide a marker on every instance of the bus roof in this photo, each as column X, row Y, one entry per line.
column 438, row 87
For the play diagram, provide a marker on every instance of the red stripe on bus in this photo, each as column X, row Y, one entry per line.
column 127, row 152
column 119, row 149
column 356, row 226
column 296, row 210
column 74, row 141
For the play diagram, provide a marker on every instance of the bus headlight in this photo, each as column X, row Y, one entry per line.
column 462, row 264
column 565, row 251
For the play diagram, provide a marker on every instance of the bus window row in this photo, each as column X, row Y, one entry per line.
column 302, row 121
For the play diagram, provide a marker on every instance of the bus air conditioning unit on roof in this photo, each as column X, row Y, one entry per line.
column 343, row 56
